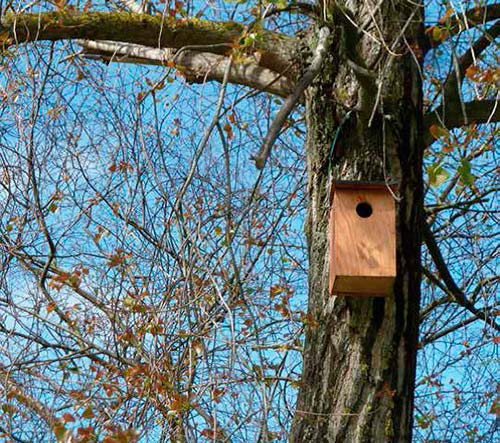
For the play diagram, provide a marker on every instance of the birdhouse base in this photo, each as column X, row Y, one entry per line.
column 362, row 286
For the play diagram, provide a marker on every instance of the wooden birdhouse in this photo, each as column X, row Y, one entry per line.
column 362, row 239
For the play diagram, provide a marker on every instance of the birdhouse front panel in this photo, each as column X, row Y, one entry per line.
column 362, row 240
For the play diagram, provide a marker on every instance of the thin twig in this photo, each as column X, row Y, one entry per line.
column 205, row 138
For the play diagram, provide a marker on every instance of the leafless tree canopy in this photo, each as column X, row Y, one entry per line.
column 153, row 282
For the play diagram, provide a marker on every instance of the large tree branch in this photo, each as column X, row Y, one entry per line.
column 453, row 83
column 453, row 112
column 196, row 67
column 275, row 51
column 449, row 282
column 478, row 111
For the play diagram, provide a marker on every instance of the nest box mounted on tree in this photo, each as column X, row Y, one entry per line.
column 362, row 239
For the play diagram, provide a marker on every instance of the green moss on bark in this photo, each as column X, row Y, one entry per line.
column 276, row 50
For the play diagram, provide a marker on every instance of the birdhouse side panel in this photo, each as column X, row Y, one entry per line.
column 331, row 233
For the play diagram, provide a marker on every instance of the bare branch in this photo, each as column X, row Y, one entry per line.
column 449, row 282
column 461, row 22
column 196, row 67
column 275, row 50
column 425, row 311
column 291, row 101
column 204, row 140
column 440, row 334
column 15, row 390
column 448, row 298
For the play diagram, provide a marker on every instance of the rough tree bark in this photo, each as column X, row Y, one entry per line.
column 360, row 356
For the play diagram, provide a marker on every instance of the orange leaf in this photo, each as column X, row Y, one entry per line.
column 495, row 408
column 471, row 72
column 67, row 418
column 438, row 132
column 447, row 148
column 446, row 16
column 4, row 37
column 60, row 3
column 275, row 290
column 88, row 413
column 211, row 434
column 438, row 33
column 119, row 258
column 85, row 432
column 217, row 393
column 179, row 403
column 229, row 131
column 125, row 166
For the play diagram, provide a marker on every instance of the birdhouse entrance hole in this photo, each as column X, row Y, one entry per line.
column 364, row 209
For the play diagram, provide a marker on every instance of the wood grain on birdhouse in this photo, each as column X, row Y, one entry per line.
column 362, row 239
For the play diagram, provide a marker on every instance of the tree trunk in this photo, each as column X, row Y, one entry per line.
column 360, row 356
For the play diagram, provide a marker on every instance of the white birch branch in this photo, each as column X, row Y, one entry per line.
column 197, row 67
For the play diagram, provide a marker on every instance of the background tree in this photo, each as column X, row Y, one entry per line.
column 154, row 280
